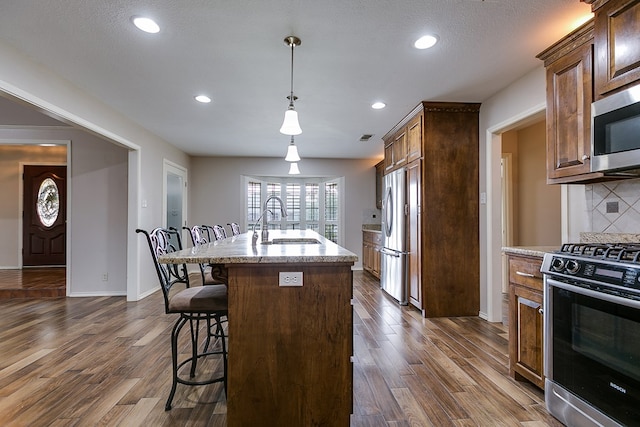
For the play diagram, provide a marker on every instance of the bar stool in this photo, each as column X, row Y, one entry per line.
column 192, row 304
column 235, row 228
column 217, row 274
column 219, row 232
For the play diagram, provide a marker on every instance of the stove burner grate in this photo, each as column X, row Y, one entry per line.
column 623, row 252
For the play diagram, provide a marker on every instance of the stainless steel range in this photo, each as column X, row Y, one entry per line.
column 592, row 334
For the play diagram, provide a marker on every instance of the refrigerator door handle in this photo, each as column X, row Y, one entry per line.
column 391, row 252
column 388, row 205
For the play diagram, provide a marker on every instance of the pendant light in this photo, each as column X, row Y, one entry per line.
column 292, row 152
column 290, row 125
column 293, row 169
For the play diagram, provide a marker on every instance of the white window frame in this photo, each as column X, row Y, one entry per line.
column 301, row 223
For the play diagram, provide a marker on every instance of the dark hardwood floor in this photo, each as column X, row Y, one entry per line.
column 45, row 282
column 105, row 361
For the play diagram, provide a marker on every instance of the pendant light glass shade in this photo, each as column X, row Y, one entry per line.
column 290, row 125
column 292, row 152
column 293, row 169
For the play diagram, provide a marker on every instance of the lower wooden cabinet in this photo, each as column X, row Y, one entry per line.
column 525, row 319
column 371, row 244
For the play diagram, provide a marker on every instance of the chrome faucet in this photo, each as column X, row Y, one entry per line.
column 263, row 214
column 265, row 228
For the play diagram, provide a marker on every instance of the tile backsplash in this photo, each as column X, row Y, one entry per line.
column 614, row 207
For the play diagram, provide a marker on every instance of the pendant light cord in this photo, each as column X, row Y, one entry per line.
column 292, row 47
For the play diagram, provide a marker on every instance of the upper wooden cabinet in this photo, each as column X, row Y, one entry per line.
column 617, row 46
column 403, row 143
column 400, row 149
column 388, row 156
column 395, row 151
column 414, row 138
column 596, row 60
column 569, row 95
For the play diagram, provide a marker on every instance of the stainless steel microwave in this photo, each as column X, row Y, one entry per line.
column 615, row 132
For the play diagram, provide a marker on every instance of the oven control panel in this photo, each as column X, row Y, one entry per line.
column 603, row 272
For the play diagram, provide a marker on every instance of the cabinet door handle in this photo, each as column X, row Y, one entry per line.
column 585, row 157
column 529, row 303
column 520, row 273
column 541, row 310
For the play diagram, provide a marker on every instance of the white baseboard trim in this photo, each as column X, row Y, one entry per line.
column 97, row 294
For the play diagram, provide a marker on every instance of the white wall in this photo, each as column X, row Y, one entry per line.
column 519, row 101
column 216, row 189
column 29, row 82
column 97, row 219
column 11, row 156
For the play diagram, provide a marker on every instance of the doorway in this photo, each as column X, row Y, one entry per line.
column 175, row 198
column 532, row 215
column 493, row 266
column 44, row 216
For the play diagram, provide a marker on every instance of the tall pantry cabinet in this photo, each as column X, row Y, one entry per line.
column 439, row 152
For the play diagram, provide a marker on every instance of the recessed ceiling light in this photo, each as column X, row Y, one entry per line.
column 425, row 42
column 203, row 98
column 378, row 105
column 147, row 25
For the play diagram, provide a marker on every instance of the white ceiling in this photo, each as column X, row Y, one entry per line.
column 353, row 52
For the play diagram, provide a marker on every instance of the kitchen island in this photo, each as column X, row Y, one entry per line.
column 290, row 327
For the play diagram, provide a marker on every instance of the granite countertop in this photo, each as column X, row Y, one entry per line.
column 588, row 237
column 534, row 251
column 376, row 228
column 240, row 250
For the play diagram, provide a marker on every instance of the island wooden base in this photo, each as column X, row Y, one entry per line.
column 290, row 348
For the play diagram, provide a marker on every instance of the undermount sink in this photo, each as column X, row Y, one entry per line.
column 292, row 241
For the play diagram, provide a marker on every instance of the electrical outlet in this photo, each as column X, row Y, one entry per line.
column 105, row 277
column 290, row 278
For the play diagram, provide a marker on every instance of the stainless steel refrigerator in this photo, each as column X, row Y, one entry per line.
column 394, row 256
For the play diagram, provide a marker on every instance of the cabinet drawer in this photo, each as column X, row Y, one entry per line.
column 372, row 237
column 526, row 272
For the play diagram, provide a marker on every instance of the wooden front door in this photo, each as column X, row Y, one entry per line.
column 44, row 215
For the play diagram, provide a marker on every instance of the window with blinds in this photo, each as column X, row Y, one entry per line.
column 312, row 204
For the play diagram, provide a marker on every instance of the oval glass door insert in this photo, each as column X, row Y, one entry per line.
column 48, row 204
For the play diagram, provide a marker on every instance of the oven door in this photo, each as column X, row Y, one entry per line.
column 592, row 352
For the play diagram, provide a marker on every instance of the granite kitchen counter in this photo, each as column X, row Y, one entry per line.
column 534, row 251
column 240, row 250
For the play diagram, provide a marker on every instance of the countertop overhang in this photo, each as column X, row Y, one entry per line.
column 240, row 250
column 534, row 251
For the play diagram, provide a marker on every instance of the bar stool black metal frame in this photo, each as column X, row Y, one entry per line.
column 193, row 304
column 235, row 228
column 216, row 273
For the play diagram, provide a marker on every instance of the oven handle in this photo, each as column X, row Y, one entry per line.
column 594, row 294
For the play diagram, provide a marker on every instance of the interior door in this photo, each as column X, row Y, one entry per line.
column 44, row 215
column 175, row 198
